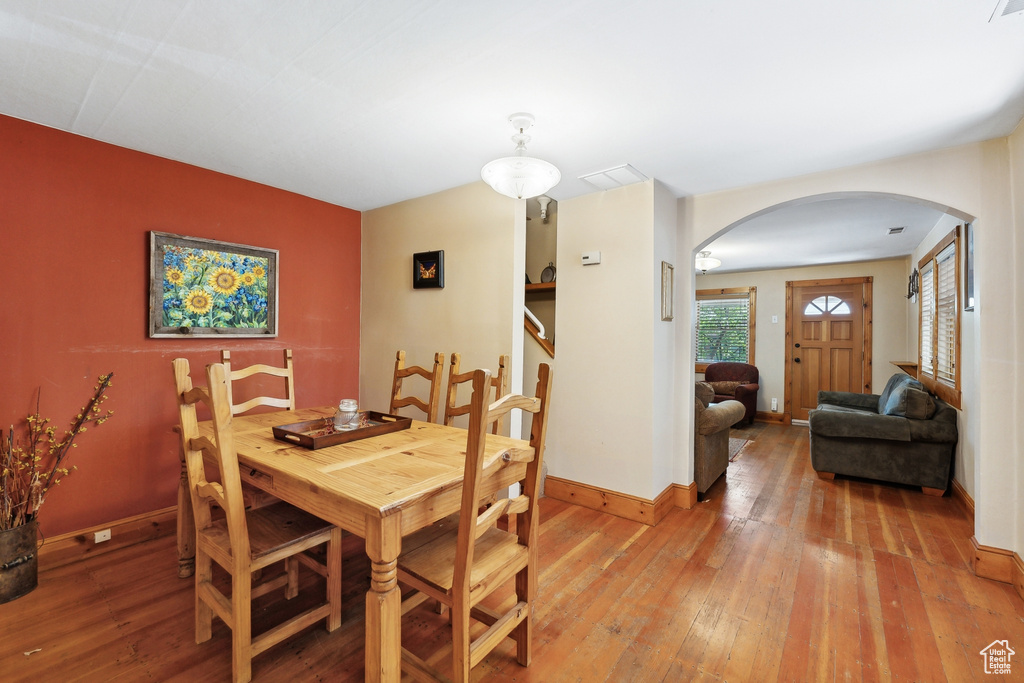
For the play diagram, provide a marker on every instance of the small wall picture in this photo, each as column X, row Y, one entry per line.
column 200, row 287
column 668, row 287
column 428, row 270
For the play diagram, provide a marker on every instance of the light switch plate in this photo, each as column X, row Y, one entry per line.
column 590, row 258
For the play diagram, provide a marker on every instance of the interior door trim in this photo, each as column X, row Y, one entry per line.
column 866, row 288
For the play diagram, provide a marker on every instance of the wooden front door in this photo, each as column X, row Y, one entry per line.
column 829, row 338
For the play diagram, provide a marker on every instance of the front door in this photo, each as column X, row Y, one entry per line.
column 828, row 334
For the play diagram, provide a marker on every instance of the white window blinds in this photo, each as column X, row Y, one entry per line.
column 723, row 329
column 927, row 318
column 945, row 315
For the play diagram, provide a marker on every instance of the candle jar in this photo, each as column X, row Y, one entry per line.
column 348, row 409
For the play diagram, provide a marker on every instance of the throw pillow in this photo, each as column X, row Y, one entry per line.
column 704, row 392
column 725, row 388
column 906, row 401
column 895, row 382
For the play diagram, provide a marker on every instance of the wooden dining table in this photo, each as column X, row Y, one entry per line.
column 381, row 488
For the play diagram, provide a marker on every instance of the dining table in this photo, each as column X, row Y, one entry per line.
column 381, row 488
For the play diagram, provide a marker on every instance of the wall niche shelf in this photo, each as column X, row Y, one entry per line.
column 540, row 287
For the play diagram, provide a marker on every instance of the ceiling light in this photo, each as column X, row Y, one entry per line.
column 520, row 176
column 705, row 262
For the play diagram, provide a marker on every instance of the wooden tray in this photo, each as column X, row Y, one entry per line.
column 308, row 434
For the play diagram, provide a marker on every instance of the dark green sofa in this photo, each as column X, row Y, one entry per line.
column 903, row 435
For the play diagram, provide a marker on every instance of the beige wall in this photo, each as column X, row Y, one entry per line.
column 474, row 313
column 1011, row 299
column 601, row 430
column 975, row 180
column 890, row 311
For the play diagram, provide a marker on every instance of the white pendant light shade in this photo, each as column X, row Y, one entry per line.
column 520, row 176
column 705, row 262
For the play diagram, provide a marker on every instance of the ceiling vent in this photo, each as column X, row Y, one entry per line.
column 1005, row 8
column 897, row 230
column 611, row 178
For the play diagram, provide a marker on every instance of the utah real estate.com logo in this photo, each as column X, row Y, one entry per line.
column 997, row 657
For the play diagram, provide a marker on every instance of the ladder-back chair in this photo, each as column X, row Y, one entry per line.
column 287, row 372
column 499, row 382
column 242, row 541
column 433, row 376
column 462, row 565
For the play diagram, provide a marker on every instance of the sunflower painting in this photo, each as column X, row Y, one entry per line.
column 202, row 287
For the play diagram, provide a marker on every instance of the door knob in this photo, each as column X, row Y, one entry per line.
column 797, row 345
column 796, row 360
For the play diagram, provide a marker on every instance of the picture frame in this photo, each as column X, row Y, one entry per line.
column 968, row 267
column 208, row 288
column 668, row 286
column 428, row 270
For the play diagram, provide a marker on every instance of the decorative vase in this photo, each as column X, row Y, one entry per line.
column 19, row 565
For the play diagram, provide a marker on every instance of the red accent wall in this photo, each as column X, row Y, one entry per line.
column 75, row 216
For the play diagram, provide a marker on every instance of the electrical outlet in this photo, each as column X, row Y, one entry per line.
column 101, row 536
column 775, row 405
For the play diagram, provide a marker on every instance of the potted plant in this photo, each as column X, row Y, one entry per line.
column 31, row 463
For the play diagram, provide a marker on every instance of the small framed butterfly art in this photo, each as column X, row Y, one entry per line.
column 428, row 270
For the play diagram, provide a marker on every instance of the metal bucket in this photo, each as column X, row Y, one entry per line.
column 19, row 567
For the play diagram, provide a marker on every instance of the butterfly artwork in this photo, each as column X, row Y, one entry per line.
column 428, row 270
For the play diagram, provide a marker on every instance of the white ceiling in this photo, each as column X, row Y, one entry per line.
column 826, row 230
column 366, row 103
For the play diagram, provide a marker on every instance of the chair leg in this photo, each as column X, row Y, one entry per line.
column 523, row 633
column 334, row 579
column 291, row 567
column 204, row 615
column 241, row 630
column 459, row 616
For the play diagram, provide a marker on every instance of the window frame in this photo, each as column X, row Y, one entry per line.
column 748, row 293
column 949, row 392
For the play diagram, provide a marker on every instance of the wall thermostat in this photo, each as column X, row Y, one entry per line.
column 589, row 258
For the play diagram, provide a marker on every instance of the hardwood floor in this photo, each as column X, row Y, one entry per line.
column 777, row 575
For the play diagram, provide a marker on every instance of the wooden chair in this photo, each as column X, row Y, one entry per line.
column 433, row 376
column 253, row 496
column 287, row 372
column 245, row 541
column 461, row 564
column 499, row 382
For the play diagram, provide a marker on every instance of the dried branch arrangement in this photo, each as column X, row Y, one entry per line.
column 36, row 461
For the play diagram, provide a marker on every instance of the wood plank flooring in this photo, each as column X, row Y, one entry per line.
column 776, row 575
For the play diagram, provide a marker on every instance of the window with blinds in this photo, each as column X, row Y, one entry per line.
column 946, row 336
column 940, row 321
column 725, row 326
column 927, row 318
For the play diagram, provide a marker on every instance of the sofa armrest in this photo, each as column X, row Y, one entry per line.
column 844, row 424
column 744, row 390
column 849, row 399
column 720, row 416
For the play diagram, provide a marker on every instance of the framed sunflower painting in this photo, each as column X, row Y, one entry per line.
column 201, row 287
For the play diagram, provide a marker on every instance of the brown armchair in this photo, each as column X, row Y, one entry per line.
column 736, row 381
column 711, row 425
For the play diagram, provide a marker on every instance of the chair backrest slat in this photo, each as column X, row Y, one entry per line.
column 499, row 382
column 433, row 376
column 287, row 372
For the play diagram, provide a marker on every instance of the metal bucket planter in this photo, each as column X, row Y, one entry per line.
column 19, row 566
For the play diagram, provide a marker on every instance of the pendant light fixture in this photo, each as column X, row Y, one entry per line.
column 520, row 176
column 705, row 262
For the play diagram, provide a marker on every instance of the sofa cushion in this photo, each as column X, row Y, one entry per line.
column 858, row 424
column 897, row 380
column 725, row 388
column 906, row 401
